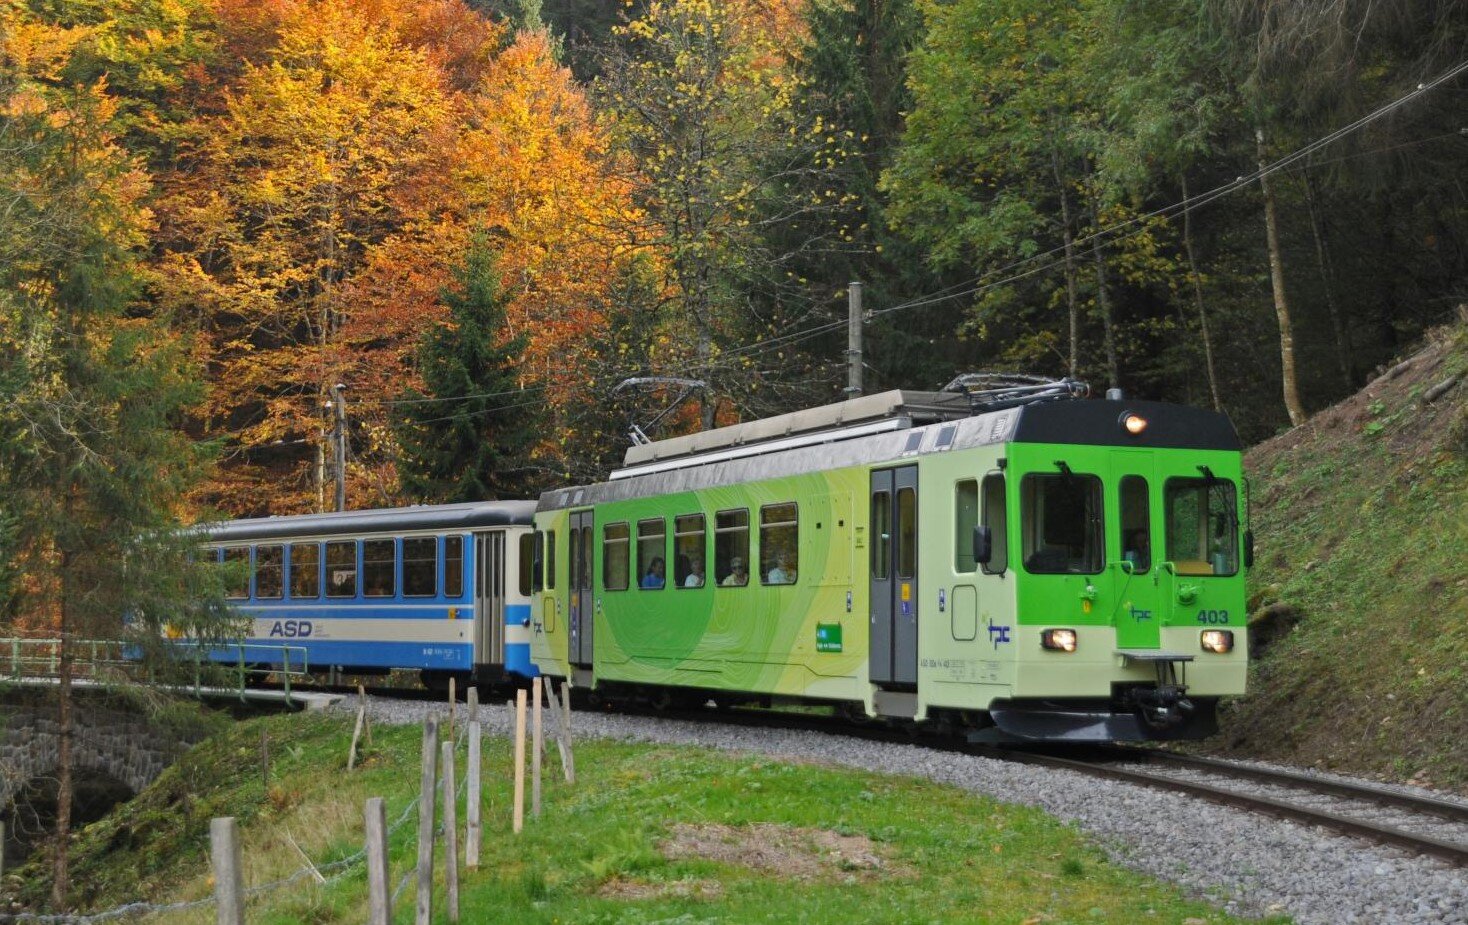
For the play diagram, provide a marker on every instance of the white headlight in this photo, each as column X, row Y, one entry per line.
column 1059, row 640
column 1220, row 641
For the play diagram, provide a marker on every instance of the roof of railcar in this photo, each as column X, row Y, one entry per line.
column 380, row 520
column 1094, row 422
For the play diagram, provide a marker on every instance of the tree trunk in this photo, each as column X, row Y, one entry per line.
column 1072, row 299
column 1198, row 299
column 1103, row 298
column 1327, row 278
column 1281, row 303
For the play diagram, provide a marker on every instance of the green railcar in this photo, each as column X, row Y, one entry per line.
column 1057, row 569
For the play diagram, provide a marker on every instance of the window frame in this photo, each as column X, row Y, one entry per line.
column 1234, row 553
column 702, row 535
column 645, row 541
column 794, row 526
column 607, row 541
column 391, row 561
column 963, row 539
column 1095, row 532
column 525, row 549
column 1121, row 516
column 433, row 572
column 239, row 592
column 998, row 537
column 740, row 550
column 453, row 566
column 279, row 568
column 315, row 578
column 356, row 569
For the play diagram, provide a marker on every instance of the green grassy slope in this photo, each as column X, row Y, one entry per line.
column 647, row 834
column 1362, row 523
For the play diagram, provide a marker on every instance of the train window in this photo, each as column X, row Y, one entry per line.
column 1136, row 530
column 1202, row 526
column 652, row 547
column 341, row 569
column 269, row 572
column 379, row 563
column 537, row 564
column 690, row 548
column 550, row 560
column 881, row 534
column 731, row 548
column 779, row 543
column 906, row 533
column 1061, row 517
column 616, row 539
column 237, row 572
column 996, row 518
column 527, row 562
column 453, row 567
column 305, row 570
column 420, row 566
column 575, row 559
column 585, row 583
column 965, row 518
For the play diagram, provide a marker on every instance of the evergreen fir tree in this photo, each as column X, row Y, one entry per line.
column 466, row 437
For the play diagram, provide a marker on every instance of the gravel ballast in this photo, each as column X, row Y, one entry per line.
column 1247, row 863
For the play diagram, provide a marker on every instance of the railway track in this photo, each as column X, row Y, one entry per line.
column 1420, row 824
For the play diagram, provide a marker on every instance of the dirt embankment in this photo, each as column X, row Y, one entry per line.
column 1360, row 594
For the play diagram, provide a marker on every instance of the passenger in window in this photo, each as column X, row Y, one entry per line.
column 737, row 577
column 654, row 578
column 1138, row 550
column 783, row 573
column 695, row 574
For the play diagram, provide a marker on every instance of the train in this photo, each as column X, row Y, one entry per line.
column 440, row 589
column 1015, row 562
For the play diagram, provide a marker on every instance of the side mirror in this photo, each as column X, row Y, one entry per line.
column 983, row 544
column 1248, row 549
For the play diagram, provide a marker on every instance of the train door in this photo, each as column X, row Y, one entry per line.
column 894, row 588
column 1137, row 612
column 489, row 598
column 579, row 589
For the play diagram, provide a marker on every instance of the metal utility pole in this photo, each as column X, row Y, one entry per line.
column 853, row 340
column 339, row 438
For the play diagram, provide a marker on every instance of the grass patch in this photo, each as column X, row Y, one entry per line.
column 648, row 834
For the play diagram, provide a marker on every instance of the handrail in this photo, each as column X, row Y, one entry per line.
column 39, row 658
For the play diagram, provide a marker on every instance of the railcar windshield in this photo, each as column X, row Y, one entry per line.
column 1061, row 519
column 1202, row 526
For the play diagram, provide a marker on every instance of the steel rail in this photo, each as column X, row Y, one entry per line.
column 1454, row 812
column 1451, row 852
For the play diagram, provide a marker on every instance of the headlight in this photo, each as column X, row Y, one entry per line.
column 1220, row 641
column 1133, row 423
column 1059, row 640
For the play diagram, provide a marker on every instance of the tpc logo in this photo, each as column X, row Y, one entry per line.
column 997, row 634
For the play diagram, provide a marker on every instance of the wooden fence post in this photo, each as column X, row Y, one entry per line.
column 538, row 746
column 379, row 897
column 229, row 890
column 453, row 700
column 426, row 783
column 357, row 735
column 472, row 834
column 519, row 760
column 473, row 704
column 566, row 721
column 450, row 830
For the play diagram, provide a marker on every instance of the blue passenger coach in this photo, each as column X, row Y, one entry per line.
column 443, row 588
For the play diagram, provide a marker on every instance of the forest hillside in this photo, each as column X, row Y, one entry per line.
column 1361, row 587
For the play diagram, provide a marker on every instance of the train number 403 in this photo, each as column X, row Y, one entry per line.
column 1213, row 616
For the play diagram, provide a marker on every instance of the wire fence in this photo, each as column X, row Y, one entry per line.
column 318, row 876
